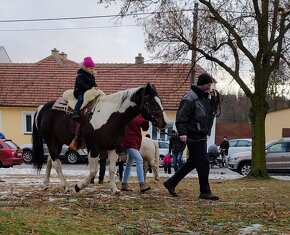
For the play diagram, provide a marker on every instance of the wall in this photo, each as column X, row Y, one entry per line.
column 12, row 124
column 275, row 122
column 232, row 131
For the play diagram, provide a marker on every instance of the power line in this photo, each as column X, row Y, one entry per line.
column 84, row 17
column 71, row 28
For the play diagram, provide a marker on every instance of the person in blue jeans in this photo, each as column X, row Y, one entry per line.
column 131, row 144
column 176, row 147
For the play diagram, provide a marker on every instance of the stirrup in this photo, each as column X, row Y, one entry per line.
column 73, row 145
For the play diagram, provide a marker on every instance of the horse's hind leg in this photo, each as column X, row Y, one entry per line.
column 155, row 168
column 113, row 157
column 145, row 167
column 93, row 164
column 47, row 172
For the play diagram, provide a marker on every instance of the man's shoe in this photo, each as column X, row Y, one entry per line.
column 170, row 189
column 125, row 187
column 144, row 188
column 101, row 182
column 208, row 196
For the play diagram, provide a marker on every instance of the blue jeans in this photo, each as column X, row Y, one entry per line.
column 131, row 155
column 177, row 160
column 79, row 103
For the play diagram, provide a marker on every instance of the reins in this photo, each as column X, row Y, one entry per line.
column 188, row 140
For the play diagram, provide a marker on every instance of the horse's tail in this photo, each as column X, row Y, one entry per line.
column 37, row 145
column 157, row 154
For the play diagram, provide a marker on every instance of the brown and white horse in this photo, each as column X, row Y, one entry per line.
column 103, row 129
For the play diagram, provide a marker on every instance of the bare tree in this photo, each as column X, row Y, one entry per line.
column 234, row 35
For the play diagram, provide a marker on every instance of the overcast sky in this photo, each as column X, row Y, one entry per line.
column 104, row 39
column 104, row 45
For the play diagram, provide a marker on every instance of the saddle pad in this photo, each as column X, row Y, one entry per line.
column 88, row 96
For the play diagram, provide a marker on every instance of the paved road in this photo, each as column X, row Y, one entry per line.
column 82, row 169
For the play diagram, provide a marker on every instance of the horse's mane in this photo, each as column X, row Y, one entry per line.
column 120, row 96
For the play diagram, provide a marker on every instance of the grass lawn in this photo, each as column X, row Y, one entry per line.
column 245, row 207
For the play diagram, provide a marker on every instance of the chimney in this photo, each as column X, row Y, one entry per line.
column 139, row 59
column 62, row 55
column 55, row 52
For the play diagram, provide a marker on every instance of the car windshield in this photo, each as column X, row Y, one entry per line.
column 163, row 145
column 11, row 144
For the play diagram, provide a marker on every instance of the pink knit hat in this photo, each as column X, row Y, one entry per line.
column 88, row 62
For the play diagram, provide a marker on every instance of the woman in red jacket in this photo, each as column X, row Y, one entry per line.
column 131, row 144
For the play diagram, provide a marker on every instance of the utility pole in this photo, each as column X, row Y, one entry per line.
column 194, row 43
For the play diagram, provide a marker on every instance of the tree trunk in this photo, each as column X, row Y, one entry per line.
column 258, row 113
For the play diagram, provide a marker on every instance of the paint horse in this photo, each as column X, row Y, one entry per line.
column 150, row 152
column 103, row 129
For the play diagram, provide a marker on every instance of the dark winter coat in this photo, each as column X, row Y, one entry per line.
column 84, row 81
column 175, row 144
column 225, row 145
column 133, row 136
column 194, row 116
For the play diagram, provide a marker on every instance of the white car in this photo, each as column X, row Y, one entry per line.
column 66, row 155
column 239, row 145
column 163, row 148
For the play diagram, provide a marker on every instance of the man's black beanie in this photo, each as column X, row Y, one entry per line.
column 203, row 79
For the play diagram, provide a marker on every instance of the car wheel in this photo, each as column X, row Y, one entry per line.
column 27, row 156
column 245, row 168
column 72, row 157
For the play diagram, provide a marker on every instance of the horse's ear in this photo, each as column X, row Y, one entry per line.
column 148, row 88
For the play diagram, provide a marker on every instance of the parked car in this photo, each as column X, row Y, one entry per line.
column 163, row 148
column 66, row 155
column 239, row 145
column 10, row 153
column 277, row 158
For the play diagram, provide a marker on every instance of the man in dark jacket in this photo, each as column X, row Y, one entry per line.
column 194, row 120
column 176, row 147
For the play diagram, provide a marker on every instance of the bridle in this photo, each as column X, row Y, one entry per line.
column 152, row 113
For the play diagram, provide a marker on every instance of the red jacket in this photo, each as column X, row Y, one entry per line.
column 167, row 159
column 133, row 136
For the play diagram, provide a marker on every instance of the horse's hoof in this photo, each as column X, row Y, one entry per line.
column 66, row 191
column 77, row 188
column 116, row 193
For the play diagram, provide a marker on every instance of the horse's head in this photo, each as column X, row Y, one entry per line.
column 151, row 108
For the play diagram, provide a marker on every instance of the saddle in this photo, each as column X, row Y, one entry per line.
column 67, row 102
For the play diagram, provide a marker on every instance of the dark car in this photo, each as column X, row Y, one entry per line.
column 10, row 153
column 66, row 155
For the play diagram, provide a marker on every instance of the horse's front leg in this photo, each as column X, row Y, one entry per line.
column 113, row 157
column 47, row 173
column 58, row 168
column 93, row 165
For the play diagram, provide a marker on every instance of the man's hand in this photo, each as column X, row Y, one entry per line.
column 183, row 138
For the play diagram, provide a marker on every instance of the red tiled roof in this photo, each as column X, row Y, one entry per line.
column 29, row 85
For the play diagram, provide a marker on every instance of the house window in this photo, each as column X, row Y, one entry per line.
column 285, row 132
column 27, row 122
